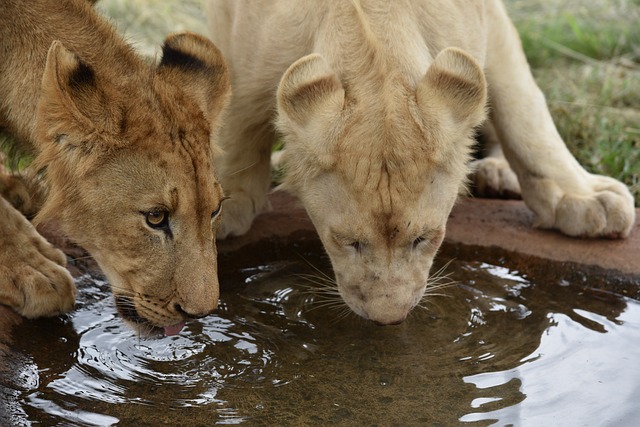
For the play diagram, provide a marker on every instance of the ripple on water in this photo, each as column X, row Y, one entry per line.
column 496, row 347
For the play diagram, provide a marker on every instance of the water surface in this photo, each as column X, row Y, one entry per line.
column 492, row 348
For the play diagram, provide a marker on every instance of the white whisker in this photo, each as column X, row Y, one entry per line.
column 320, row 272
column 438, row 281
column 241, row 170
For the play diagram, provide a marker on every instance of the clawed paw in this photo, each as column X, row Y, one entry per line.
column 33, row 279
column 22, row 192
column 46, row 291
column 493, row 178
column 607, row 211
column 238, row 214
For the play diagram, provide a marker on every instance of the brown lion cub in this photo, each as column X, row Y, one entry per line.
column 377, row 102
column 127, row 151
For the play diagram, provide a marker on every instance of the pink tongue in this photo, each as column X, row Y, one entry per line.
column 174, row 329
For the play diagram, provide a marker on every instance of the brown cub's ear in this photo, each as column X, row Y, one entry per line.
column 195, row 64
column 308, row 85
column 72, row 103
column 454, row 87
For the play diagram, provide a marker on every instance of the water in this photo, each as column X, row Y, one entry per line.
column 493, row 348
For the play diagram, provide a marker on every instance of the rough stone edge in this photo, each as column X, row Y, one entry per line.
column 509, row 225
column 477, row 228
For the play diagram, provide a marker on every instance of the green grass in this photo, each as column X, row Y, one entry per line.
column 586, row 59
column 146, row 23
column 10, row 157
column 582, row 30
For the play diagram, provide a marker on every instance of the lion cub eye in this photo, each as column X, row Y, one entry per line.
column 158, row 219
column 430, row 238
column 216, row 212
column 418, row 240
column 349, row 243
column 357, row 245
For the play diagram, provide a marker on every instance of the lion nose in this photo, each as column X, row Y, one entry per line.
column 191, row 315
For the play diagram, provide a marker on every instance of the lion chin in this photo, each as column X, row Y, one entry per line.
column 142, row 325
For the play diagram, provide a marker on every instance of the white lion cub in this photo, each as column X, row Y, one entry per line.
column 377, row 102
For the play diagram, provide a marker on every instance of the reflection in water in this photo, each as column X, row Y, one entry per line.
column 494, row 348
column 572, row 364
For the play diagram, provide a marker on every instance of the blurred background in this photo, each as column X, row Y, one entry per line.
column 584, row 55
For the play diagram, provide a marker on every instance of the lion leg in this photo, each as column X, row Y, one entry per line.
column 33, row 280
column 245, row 174
column 561, row 193
column 492, row 176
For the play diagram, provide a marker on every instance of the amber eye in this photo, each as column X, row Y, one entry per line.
column 157, row 218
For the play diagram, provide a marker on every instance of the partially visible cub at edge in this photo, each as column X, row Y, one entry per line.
column 127, row 152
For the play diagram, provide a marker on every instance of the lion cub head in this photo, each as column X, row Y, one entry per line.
column 128, row 157
column 378, row 165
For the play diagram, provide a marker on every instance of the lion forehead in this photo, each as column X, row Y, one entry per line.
column 168, row 166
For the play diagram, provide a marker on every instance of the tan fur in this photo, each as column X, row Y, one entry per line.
column 117, row 138
column 377, row 102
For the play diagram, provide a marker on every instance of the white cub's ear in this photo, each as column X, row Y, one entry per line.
column 455, row 87
column 307, row 89
column 310, row 102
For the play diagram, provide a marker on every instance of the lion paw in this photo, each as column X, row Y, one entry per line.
column 33, row 279
column 238, row 214
column 606, row 211
column 22, row 192
column 493, row 178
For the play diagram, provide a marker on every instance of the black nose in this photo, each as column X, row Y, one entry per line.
column 187, row 314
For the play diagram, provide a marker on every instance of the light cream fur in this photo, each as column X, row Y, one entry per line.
column 120, row 140
column 377, row 102
column 491, row 174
